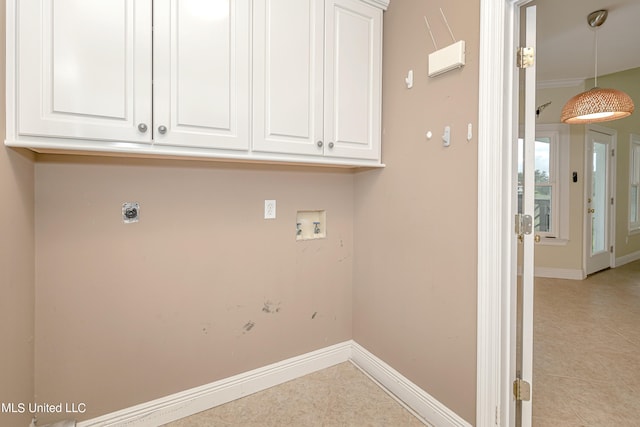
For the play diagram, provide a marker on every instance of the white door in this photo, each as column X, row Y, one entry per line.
column 599, row 203
column 84, row 69
column 288, row 61
column 352, row 79
column 201, row 73
column 526, row 237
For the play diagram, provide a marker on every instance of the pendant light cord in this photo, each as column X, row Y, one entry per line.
column 596, row 55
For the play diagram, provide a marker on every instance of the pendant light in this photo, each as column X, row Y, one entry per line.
column 597, row 104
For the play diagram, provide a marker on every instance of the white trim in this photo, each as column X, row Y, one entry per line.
column 47, row 145
column 626, row 259
column 560, row 273
column 495, row 254
column 381, row 4
column 634, row 140
column 183, row 404
column 410, row 395
column 189, row 402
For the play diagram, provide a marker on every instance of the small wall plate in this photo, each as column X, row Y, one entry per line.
column 130, row 212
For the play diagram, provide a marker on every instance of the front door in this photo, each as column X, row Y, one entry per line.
column 599, row 203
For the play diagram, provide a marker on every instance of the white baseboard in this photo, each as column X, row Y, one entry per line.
column 190, row 402
column 626, row 259
column 559, row 273
column 410, row 395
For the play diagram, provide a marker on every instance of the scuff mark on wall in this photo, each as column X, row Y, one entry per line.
column 270, row 307
column 205, row 327
column 248, row 326
column 313, row 316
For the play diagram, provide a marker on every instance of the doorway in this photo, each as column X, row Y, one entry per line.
column 599, row 203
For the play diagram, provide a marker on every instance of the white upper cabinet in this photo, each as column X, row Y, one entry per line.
column 86, row 72
column 317, row 78
column 288, row 61
column 352, row 91
column 84, row 68
column 294, row 81
column 201, row 73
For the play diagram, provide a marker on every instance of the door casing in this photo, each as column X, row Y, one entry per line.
column 499, row 24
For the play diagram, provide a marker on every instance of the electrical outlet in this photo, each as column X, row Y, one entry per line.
column 269, row 209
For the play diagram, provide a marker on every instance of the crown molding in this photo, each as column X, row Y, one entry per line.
column 554, row 84
column 382, row 4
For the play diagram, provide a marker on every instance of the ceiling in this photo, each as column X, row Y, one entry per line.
column 565, row 42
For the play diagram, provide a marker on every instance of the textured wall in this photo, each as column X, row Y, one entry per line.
column 415, row 224
column 200, row 289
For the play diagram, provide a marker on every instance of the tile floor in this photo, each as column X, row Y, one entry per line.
column 587, row 350
column 338, row 396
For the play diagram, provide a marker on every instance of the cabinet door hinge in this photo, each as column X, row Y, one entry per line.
column 521, row 390
column 525, row 57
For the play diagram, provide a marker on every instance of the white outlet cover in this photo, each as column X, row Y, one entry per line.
column 269, row 209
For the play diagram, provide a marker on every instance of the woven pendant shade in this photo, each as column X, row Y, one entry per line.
column 597, row 105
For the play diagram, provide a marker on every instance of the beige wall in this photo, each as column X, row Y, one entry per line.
column 200, row 289
column 416, row 221
column 567, row 256
column 16, row 271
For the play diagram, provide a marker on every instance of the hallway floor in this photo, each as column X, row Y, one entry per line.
column 587, row 350
column 338, row 396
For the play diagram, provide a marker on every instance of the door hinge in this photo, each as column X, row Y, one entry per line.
column 521, row 390
column 613, row 152
column 525, row 57
column 611, row 249
column 524, row 224
column 612, row 200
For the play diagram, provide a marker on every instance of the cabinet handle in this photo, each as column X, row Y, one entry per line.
column 142, row 127
column 320, row 144
column 162, row 130
column 331, row 145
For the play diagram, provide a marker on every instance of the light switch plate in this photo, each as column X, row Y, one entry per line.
column 269, row 209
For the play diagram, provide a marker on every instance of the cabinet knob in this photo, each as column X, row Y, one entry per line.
column 331, row 145
column 142, row 127
column 162, row 130
column 320, row 144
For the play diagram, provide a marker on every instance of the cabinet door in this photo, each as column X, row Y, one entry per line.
column 84, row 68
column 201, row 73
column 353, row 79
column 288, row 76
